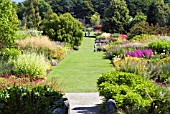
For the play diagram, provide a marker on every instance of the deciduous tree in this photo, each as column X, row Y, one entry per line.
column 95, row 18
column 64, row 28
column 8, row 23
column 116, row 17
column 158, row 12
column 32, row 14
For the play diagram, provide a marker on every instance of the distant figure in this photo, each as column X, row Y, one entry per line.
column 85, row 34
column 88, row 33
column 99, row 44
column 95, row 49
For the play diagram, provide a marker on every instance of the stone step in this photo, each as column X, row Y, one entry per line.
column 84, row 103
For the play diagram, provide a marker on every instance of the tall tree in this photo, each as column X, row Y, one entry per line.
column 158, row 13
column 20, row 10
column 43, row 8
column 136, row 6
column 61, row 6
column 116, row 17
column 83, row 9
column 32, row 14
column 138, row 18
column 100, row 5
column 8, row 23
column 95, row 18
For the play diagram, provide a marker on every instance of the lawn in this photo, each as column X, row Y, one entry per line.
column 79, row 71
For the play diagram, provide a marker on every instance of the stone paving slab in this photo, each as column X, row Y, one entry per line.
column 84, row 103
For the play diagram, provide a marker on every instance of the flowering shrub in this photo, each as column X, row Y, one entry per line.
column 140, row 53
column 58, row 53
column 132, row 65
column 120, row 50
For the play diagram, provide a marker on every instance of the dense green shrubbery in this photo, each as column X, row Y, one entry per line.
column 144, row 28
column 161, row 46
column 6, row 53
column 64, row 28
column 5, row 67
column 30, row 65
column 142, row 36
column 21, row 100
column 134, row 93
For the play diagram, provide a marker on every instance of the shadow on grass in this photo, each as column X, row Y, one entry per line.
column 88, row 110
column 90, row 36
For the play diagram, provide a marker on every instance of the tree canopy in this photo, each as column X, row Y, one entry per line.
column 158, row 12
column 95, row 18
column 116, row 17
column 8, row 23
column 64, row 28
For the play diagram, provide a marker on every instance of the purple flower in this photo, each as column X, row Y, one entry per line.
column 128, row 53
column 140, row 53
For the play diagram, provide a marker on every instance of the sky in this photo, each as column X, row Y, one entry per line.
column 17, row 0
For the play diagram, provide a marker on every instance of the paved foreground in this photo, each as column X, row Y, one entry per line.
column 84, row 103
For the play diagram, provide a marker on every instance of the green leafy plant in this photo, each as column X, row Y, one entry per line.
column 6, row 53
column 5, row 67
column 30, row 64
column 36, row 100
column 9, row 23
column 131, row 92
column 64, row 28
column 161, row 46
column 142, row 37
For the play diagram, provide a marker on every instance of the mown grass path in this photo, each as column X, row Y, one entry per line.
column 79, row 71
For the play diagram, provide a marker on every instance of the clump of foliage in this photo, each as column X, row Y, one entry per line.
column 131, row 65
column 43, row 45
column 6, row 53
column 142, row 36
column 64, row 28
column 30, row 64
column 147, row 53
column 116, row 17
column 27, row 33
column 139, row 28
column 161, row 46
column 36, row 100
column 120, row 49
column 9, row 23
column 144, row 28
column 133, row 93
column 95, row 18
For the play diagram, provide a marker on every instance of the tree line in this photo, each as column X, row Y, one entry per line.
column 114, row 12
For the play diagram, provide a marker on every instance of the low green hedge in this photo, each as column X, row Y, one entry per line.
column 133, row 91
column 161, row 46
column 21, row 100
